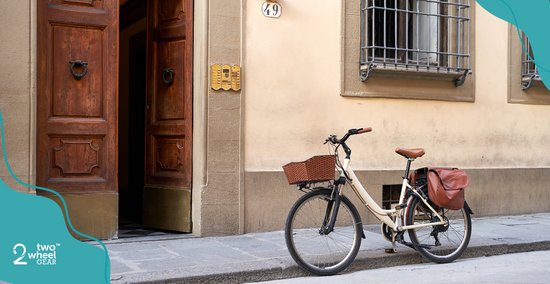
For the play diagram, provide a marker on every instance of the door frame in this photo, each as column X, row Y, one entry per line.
column 200, row 112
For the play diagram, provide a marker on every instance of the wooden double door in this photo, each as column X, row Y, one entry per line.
column 77, row 99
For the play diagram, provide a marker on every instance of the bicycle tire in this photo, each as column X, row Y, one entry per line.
column 453, row 239
column 318, row 253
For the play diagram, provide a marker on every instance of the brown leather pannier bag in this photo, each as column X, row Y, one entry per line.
column 445, row 185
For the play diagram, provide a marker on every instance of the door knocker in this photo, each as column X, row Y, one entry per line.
column 78, row 64
column 170, row 79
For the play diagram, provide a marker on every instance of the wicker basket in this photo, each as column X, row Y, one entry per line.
column 315, row 169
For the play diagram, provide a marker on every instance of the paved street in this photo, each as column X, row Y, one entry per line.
column 528, row 267
column 263, row 256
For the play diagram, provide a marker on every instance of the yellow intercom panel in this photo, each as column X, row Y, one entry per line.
column 235, row 77
column 216, row 76
column 226, row 77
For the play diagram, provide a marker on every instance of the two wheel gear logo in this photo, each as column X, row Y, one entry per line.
column 44, row 255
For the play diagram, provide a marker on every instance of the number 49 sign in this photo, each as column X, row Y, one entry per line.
column 271, row 9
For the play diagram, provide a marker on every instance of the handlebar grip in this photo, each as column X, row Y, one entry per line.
column 364, row 130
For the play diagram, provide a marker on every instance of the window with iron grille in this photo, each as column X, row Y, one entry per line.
column 416, row 36
column 528, row 68
column 524, row 83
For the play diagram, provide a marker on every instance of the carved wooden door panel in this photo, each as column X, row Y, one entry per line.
column 168, row 160
column 77, row 95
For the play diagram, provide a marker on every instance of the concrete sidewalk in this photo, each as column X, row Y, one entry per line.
column 263, row 256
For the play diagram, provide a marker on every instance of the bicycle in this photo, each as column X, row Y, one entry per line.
column 323, row 230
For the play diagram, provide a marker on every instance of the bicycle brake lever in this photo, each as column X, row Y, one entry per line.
column 332, row 139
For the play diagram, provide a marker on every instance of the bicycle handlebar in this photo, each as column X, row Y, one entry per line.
column 364, row 130
column 353, row 131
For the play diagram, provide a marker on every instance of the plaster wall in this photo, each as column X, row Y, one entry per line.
column 294, row 101
column 302, row 84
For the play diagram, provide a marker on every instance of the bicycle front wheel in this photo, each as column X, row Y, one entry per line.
column 310, row 246
column 446, row 243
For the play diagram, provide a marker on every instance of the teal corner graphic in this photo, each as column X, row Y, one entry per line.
column 531, row 17
column 36, row 246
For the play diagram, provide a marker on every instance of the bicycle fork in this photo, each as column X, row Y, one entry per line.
column 330, row 215
column 332, row 207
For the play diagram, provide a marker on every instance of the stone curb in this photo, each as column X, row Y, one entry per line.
column 279, row 269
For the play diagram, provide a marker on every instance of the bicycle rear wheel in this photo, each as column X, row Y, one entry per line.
column 446, row 243
column 314, row 250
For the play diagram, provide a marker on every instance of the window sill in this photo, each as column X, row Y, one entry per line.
column 393, row 83
column 407, row 73
column 537, row 82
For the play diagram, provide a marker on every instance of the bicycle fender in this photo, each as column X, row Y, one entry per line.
column 467, row 207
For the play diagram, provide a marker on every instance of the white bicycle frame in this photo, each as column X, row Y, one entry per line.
column 382, row 214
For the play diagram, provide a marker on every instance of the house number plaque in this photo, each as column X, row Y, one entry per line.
column 271, row 9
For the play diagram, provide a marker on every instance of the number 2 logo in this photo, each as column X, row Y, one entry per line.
column 18, row 261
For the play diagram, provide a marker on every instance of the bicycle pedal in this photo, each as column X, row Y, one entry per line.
column 389, row 250
column 401, row 206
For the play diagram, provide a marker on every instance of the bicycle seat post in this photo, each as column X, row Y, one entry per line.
column 409, row 161
column 411, row 155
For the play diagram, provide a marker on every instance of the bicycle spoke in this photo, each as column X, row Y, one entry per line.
column 343, row 235
column 340, row 247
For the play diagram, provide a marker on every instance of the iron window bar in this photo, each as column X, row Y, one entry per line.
column 528, row 67
column 416, row 35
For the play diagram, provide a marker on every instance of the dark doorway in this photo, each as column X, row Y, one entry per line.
column 155, row 113
column 131, row 199
column 131, row 128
